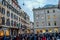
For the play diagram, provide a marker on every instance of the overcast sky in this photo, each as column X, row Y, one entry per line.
column 30, row 4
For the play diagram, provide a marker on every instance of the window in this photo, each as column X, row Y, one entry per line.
column 8, row 22
column 12, row 15
column 37, row 23
column 48, row 16
column 56, row 29
column 55, row 23
column 44, row 30
column 49, row 23
column 15, row 17
column 42, row 23
column 48, row 11
column 3, row 11
column 17, row 24
column 54, row 16
column 0, row 9
column 37, row 18
column 11, row 22
column 19, row 19
column 8, row 1
column 4, row 3
column 42, row 17
column 53, row 11
column 8, row 6
column 50, row 30
column 37, row 15
column 3, row 20
column 8, row 13
column 14, row 23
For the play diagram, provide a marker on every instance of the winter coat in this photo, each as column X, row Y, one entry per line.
column 17, row 38
column 44, row 38
column 0, row 38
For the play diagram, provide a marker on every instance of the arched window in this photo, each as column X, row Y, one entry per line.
column 14, row 23
column 8, row 22
column 8, row 13
column 11, row 22
column 3, row 11
column 3, row 20
column 48, row 11
column 11, row 15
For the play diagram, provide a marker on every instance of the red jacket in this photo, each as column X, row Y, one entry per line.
column 44, row 38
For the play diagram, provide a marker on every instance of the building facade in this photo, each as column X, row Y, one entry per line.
column 47, row 19
column 32, row 27
column 13, row 19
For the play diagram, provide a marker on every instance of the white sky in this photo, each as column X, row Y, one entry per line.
column 30, row 4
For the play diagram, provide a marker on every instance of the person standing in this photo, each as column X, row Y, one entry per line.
column 1, row 38
column 39, row 38
column 44, row 38
column 17, row 38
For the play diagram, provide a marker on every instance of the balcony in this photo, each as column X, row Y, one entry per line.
column 9, row 6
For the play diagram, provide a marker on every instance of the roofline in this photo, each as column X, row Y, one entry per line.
column 45, row 8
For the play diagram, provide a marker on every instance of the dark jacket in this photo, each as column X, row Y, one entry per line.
column 17, row 38
column 0, row 38
column 32, row 38
column 14, row 38
column 6, row 38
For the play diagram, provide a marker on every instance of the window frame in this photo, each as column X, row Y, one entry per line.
column 53, row 11
column 8, row 14
column 55, row 23
column 47, row 11
column 49, row 24
column 3, row 10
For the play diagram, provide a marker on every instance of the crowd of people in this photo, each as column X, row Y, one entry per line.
column 44, row 36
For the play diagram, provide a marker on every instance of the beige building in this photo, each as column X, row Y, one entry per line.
column 47, row 19
column 13, row 19
column 32, row 27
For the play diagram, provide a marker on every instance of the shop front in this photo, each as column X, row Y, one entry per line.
column 28, row 31
column 4, row 32
column 14, row 32
column 7, row 32
column 47, row 30
column 37, row 31
column 1, row 33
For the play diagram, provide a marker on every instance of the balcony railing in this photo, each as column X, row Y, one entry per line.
column 9, row 6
